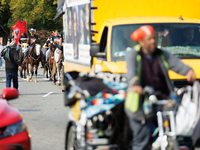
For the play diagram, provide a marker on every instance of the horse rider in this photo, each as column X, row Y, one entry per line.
column 48, row 43
column 31, row 41
column 45, row 48
column 54, row 39
column 23, row 39
column 60, row 46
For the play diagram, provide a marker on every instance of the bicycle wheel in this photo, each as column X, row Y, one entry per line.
column 71, row 139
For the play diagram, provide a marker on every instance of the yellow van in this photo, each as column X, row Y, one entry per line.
column 177, row 24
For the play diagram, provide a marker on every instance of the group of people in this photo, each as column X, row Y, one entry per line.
column 11, row 56
column 11, row 53
column 55, row 39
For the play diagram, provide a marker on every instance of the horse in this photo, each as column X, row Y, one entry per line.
column 47, row 70
column 46, row 67
column 59, row 66
column 54, row 65
column 49, row 64
column 33, row 58
column 22, row 49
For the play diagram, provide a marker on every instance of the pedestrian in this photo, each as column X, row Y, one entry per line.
column 150, row 65
column 12, row 65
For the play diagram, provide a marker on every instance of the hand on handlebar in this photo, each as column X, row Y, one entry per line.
column 191, row 76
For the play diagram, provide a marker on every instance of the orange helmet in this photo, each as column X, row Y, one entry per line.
column 142, row 32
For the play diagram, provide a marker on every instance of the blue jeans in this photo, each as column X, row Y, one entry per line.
column 26, row 52
column 1, row 61
column 12, row 75
column 18, row 47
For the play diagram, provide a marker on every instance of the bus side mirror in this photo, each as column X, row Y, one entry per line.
column 95, row 51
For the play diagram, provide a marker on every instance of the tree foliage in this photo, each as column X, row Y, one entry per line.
column 39, row 14
column 5, row 15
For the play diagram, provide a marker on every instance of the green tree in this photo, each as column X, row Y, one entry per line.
column 5, row 15
column 39, row 14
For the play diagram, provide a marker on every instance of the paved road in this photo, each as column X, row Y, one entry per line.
column 42, row 106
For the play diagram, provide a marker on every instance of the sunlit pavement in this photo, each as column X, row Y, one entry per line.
column 42, row 106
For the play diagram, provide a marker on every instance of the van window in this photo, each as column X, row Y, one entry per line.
column 103, row 45
column 180, row 39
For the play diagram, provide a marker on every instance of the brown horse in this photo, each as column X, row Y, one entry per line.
column 52, row 63
column 33, row 58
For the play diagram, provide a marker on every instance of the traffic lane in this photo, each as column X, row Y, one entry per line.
column 42, row 106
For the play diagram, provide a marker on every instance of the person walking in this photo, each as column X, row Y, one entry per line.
column 150, row 65
column 12, row 65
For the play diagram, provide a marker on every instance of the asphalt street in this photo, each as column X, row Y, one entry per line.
column 42, row 107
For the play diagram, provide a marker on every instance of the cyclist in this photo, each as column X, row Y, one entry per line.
column 150, row 64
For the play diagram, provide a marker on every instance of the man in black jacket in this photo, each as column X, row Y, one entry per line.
column 12, row 62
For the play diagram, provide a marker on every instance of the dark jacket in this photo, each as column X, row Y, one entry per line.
column 13, row 62
column 152, row 74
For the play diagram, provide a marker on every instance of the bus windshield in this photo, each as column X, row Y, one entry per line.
column 182, row 40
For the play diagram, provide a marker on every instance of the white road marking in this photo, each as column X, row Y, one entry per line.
column 3, row 79
column 47, row 94
column 45, row 78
